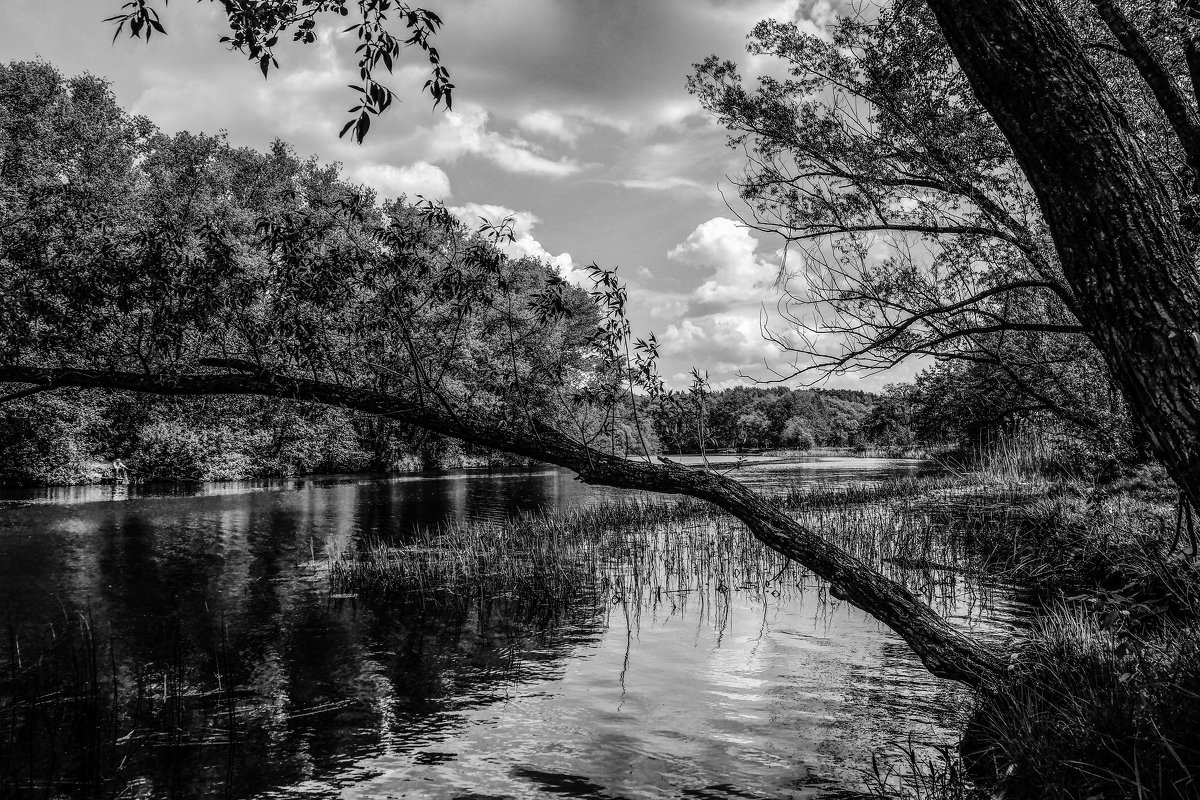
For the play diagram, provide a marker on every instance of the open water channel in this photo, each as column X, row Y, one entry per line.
column 218, row 591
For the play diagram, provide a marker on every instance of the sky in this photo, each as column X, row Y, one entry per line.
column 569, row 115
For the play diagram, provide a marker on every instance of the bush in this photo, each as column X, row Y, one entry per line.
column 48, row 440
column 797, row 434
column 172, row 450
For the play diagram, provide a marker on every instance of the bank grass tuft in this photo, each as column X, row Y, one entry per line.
column 639, row 551
column 1089, row 710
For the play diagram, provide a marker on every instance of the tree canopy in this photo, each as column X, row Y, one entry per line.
column 930, row 215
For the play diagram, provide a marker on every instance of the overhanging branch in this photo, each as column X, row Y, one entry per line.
column 945, row 651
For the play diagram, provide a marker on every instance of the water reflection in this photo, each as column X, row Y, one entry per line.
column 253, row 682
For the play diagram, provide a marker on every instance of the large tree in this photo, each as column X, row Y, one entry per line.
column 911, row 226
column 1122, row 232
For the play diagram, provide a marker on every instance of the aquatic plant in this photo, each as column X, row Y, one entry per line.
column 636, row 551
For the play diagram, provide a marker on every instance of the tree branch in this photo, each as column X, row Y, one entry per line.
column 8, row 398
column 945, row 651
column 1179, row 112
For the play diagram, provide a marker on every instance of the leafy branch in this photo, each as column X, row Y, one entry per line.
column 256, row 28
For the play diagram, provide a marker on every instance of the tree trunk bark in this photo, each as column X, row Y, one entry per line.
column 1117, row 230
column 945, row 652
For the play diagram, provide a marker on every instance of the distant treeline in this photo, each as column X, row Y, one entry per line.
column 73, row 436
column 749, row 418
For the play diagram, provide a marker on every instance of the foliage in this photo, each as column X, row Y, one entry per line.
column 49, row 440
column 754, row 417
column 255, row 29
column 917, row 231
column 121, row 245
column 1084, row 713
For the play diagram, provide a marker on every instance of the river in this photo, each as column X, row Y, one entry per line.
column 218, row 590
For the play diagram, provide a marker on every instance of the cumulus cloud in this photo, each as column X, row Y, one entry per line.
column 421, row 178
column 718, row 325
column 727, row 251
column 724, row 343
column 465, row 132
column 524, row 244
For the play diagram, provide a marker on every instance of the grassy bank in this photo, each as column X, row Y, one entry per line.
column 1102, row 695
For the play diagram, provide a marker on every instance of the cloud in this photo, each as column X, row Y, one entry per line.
column 665, row 184
column 524, row 244
column 728, row 251
column 420, row 178
column 465, row 132
column 549, row 123
column 673, row 159
column 724, row 343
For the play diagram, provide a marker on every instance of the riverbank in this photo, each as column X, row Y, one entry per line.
column 98, row 473
column 95, row 472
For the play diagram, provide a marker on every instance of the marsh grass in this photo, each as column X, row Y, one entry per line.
column 75, row 723
column 1089, row 711
column 653, row 552
column 636, row 551
column 918, row 771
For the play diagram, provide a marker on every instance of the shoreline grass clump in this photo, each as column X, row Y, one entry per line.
column 640, row 551
column 1102, row 699
column 1089, row 710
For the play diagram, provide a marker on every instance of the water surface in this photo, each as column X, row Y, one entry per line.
column 220, row 587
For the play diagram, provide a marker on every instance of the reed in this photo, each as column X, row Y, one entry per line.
column 639, row 552
column 658, row 552
column 920, row 771
column 1087, row 710
column 75, row 722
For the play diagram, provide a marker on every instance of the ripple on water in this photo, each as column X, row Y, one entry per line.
column 728, row 699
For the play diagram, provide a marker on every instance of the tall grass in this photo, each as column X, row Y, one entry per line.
column 651, row 552
column 635, row 551
column 75, row 724
column 1087, row 711
column 920, row 772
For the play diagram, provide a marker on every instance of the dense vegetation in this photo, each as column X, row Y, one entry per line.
column 126, row 240
column 1029, row 167
column 72, row 156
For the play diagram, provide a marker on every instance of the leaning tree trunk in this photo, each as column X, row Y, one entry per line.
column 1119, row 236
column 945, row 652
